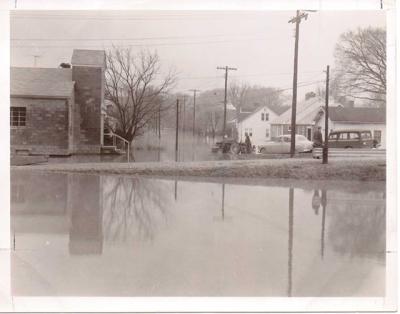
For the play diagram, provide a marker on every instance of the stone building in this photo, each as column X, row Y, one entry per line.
column 57, row 111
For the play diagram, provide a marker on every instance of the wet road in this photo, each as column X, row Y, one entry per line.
column 88, row 235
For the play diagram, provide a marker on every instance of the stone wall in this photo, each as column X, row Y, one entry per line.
column 46, row 130
column 87, row 114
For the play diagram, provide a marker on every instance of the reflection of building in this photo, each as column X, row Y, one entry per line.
column 84, row 202
column 59, row 204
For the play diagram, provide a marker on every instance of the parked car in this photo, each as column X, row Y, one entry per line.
column 351, row 139
column 281, row 145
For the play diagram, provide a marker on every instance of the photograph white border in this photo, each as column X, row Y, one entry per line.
column 52, row 304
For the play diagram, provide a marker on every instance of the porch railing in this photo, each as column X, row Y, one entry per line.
column 116, row 139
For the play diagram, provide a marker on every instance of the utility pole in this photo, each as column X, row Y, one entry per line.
column 159, row 122
column 177, row 129
column 183, row 114
column 325, row 149
column 226, row 68
column 297, row 21
column 194, row 109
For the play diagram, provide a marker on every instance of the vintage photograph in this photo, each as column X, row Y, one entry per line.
column 198, row 153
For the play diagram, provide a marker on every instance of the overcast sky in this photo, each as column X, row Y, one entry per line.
column 259, row 44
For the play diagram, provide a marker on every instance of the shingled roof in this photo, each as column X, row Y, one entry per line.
column 95, row 58
column 41, row 82
column 357, row 114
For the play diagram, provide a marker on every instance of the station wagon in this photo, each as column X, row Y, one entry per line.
column 351, row 139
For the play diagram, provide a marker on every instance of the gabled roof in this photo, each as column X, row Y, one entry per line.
column 244, row 115
column 357, row 114
column 96, row 58
column 306, row 112
column 276, row 109
column 41, row 82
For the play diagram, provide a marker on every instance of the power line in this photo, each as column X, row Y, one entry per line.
column 187, row 15
column 132, row 38
column 144, row 44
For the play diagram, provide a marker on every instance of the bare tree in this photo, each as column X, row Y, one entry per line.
column 237, row 94
column 135, row 89
column 214, row 119
column 361, row 64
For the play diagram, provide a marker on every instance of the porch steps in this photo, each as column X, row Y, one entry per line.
column 112, row 150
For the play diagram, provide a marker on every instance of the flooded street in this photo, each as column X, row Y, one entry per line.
column 90, row 235
column 149, row 148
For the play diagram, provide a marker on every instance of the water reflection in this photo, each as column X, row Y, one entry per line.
column 282, row 249
column 86, row 213
column 290, row 244
column 132, row 208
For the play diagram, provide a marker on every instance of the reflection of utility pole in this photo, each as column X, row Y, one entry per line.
column 177, row 129
column 35, row 57
column 226, row 68
column 223, row 202
column 296, row 20
column 323, row 202
column 325, row 148
column 290, row 244
column 176, row 190
column 223, row 217
column 194, row 109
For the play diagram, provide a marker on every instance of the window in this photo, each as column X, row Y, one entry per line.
column 17, row 116
column 262, row 116
column 378, row 135
column 266, row 116
column 354, row 136
column 333, row 137
column 267, row 133
column 343, row 136
column 366, row 135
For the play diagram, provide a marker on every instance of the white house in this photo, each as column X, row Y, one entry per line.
column 257, row 123
column 306, row 114
column 357, row 118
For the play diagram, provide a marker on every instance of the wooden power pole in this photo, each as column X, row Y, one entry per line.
column 325, row 148
column 194, row 108
column 296, row 20
column 226, row 68
column 177, row 129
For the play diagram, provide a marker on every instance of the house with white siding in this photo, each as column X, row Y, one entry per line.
column 257, row 123
column 306, row 113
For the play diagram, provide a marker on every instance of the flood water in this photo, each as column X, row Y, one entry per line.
column 90, row 235
column 150, row 148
